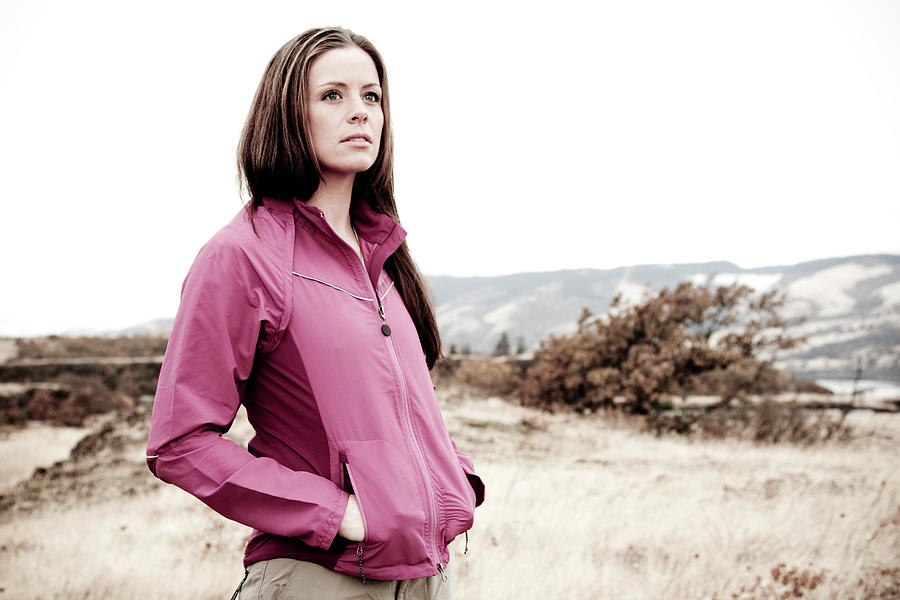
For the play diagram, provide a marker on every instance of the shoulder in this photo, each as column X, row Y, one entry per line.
column 245, row 254
column 267, row 237
column 247, row 267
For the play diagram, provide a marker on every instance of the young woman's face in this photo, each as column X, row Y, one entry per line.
column 345, row 116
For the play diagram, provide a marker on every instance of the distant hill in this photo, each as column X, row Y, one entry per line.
column 154, row 327
column 852, row 306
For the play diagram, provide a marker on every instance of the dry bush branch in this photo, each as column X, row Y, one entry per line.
column 685, row 338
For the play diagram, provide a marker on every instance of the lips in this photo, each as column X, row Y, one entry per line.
column 358, row 137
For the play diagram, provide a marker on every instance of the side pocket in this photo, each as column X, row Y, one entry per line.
column 390, row 501
column 355, row 491
column 458, row 505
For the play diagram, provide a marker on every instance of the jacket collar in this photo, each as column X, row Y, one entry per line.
column 277, row 204
column 374, row 227
column 381, row 231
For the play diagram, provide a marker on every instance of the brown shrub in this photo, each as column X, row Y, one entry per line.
column 785, row 583
column 880, row 583
column 673, row 341
column 38, row 403
column 89, row 396
column 491, row 377
column 75, row 398
column 43, row 404
column 766, row 422
column 747, row 377
column 55, row 346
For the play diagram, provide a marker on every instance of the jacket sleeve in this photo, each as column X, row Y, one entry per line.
column 230, row 307
column 468, row 468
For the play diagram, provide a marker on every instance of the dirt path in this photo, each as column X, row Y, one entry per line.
column 7, row 349
column 37, row 445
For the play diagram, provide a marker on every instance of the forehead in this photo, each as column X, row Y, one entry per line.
column 349, row 65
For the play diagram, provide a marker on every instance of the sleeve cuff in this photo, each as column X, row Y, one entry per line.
column 327, row 535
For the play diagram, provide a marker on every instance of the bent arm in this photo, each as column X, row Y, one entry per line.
column 227, row 306
column 256, row 491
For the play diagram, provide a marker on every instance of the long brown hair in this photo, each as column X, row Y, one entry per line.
column 276, row 159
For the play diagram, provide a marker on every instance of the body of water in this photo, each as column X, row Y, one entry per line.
column 870, row 388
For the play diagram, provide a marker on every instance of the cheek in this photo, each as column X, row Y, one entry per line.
column 320, row 127
column 378, row 126
column 315, row 130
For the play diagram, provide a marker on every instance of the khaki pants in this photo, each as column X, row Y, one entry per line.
column 289, row 579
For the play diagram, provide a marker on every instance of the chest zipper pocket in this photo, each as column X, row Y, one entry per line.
column 348, row 477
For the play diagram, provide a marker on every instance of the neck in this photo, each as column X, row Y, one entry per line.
column 333, row 198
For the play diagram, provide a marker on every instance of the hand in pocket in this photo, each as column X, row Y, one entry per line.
column 352, row 527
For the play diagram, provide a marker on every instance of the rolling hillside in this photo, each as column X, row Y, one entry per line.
column 851, row 306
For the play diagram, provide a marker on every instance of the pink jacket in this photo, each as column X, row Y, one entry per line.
column 325, row 358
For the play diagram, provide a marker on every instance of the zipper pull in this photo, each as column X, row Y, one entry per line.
column 385, row 328
column 359, row 554
column 441, row 571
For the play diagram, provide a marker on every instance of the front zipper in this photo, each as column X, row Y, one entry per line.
column 385, row 328
column 359, row 551
column 359, row 546
column 420, row 456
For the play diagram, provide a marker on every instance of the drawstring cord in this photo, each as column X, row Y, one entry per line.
column 240, row 585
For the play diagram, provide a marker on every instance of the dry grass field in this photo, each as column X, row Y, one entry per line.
column 577, row 507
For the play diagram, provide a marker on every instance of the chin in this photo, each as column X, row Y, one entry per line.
column 361, row 166
column 350, row 167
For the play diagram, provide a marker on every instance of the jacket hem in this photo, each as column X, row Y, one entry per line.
column 266, row 547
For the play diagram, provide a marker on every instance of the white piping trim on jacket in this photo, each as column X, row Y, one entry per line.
column 340, row 289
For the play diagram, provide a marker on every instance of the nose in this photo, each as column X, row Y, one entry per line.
column 358, row 113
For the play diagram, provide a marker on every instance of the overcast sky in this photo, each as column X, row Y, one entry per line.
column 529, row 137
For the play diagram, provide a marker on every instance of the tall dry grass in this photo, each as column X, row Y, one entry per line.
column 584, row 508
column 577, row 507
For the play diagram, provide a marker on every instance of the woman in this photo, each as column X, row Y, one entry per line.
column 308, row 309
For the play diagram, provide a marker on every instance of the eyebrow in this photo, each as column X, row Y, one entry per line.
column 343, row 85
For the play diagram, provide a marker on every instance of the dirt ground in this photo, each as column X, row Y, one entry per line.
column 7, row 349
column 577, row 507
column 22, row 450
